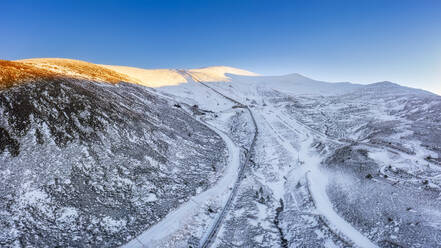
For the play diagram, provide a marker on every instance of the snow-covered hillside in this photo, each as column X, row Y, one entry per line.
column 92, row 164
column 215, row 157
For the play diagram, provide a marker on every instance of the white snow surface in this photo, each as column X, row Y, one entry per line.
column 295, row 139
column 317, row 185
column 317, row 179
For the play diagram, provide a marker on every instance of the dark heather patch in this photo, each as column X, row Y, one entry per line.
column 7, row 142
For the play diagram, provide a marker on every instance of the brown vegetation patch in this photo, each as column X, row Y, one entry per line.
column 17, row 72
column 14, row 73
column 82, row 69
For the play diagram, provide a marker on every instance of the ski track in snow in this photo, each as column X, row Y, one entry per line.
column 317, row 180
column 177, row 219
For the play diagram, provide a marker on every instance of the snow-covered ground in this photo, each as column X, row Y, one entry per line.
column 291, row 195
column 309, row 167
column 332, row 165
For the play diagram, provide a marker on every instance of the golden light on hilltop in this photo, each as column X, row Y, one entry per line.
column 218, row 73
column 13, row 73
column 79, row 69
column 151, row 78
column 16, row 72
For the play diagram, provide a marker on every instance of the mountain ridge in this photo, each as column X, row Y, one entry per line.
column 16, row 72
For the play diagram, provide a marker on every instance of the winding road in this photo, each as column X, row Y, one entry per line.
column 182, row 216
column 210, row 235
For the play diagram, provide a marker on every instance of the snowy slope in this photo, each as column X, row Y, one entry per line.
column 151, row 78
column 218, row 73
column 91, row 164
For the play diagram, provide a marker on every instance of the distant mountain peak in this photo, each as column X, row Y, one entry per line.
column 384, row 83
column 295, row 75
column 219, row 73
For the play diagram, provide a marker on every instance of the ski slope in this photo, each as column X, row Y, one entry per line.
column 317, row 179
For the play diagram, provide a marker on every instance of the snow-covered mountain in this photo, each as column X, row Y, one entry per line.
column 94, row 155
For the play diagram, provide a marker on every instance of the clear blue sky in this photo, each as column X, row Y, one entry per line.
column 359, row 41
